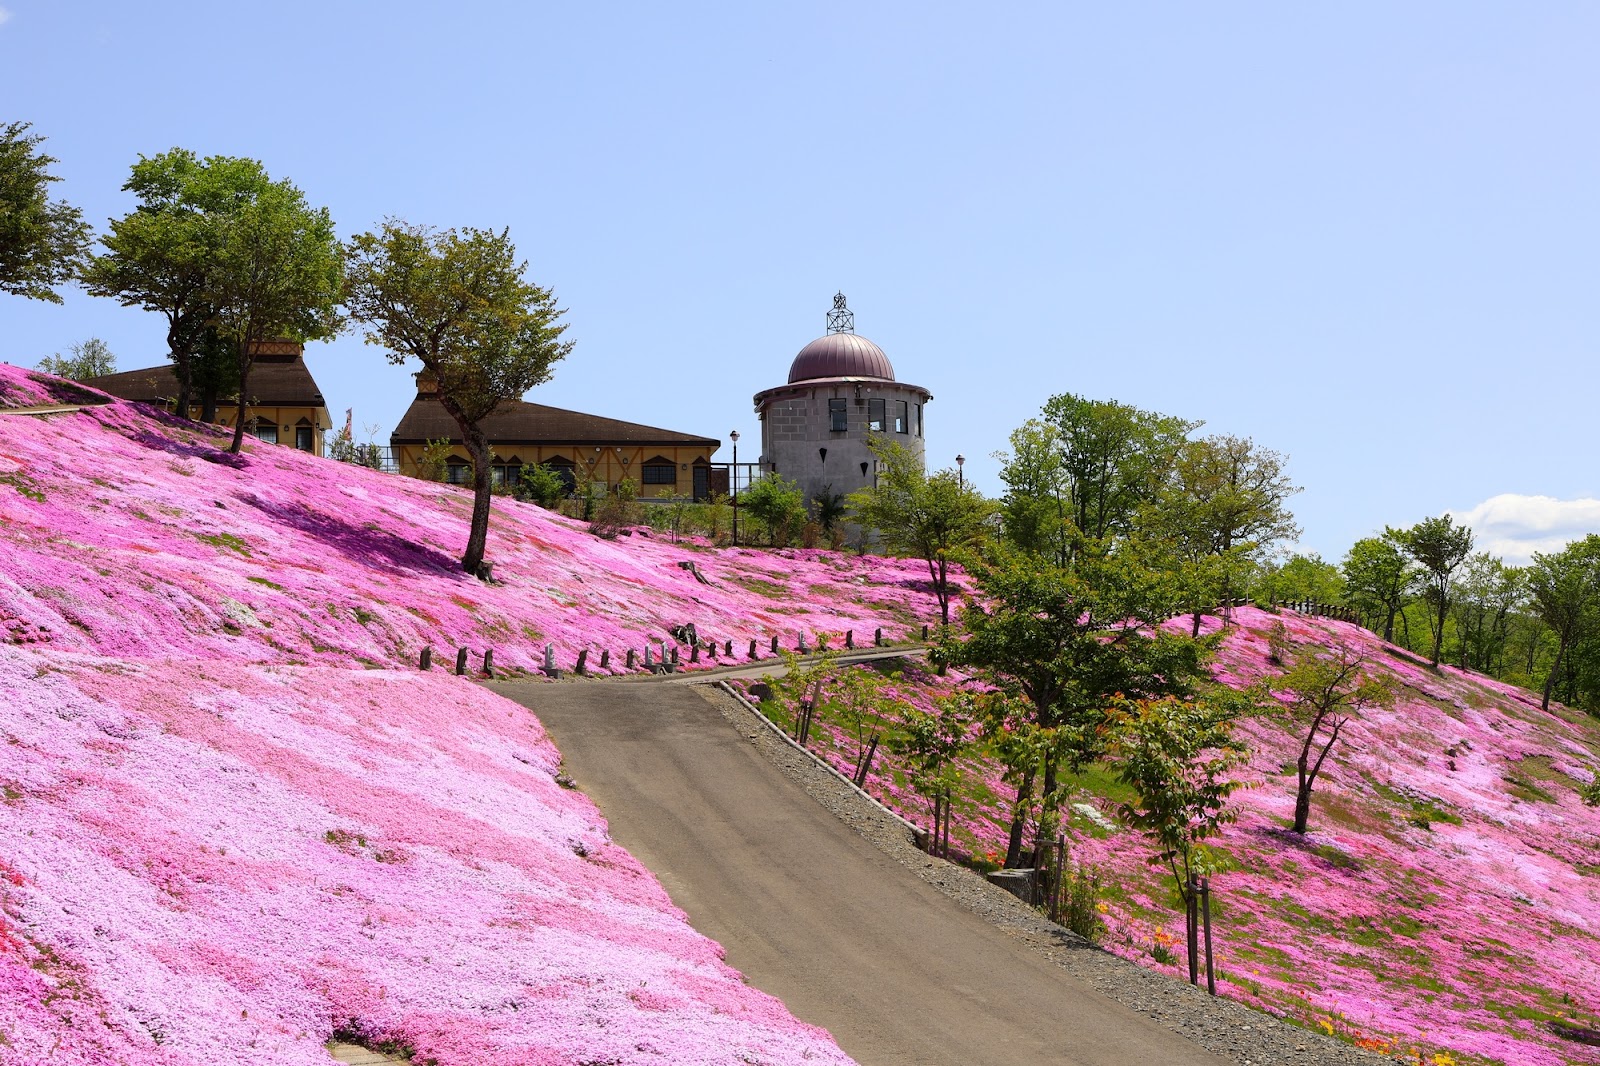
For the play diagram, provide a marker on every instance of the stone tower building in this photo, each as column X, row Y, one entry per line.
column 841, row 392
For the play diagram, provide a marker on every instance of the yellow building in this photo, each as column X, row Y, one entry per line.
column 522, row 434
column 286, row 406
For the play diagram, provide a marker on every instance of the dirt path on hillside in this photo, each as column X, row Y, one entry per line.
column 813, row 913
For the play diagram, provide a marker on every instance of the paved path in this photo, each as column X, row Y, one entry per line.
column 811, row 912
column 49, row 409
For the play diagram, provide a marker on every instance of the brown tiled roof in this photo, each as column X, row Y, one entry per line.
column 275, row 381
column 520, row 422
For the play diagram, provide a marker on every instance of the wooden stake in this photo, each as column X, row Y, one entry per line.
column 1192, row 921
column 427, row 658
column 1205, row 910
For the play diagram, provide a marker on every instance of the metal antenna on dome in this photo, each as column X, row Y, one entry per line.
column 841, row 319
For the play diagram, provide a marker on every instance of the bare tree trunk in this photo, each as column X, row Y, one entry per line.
column 1550, row 682
column 1019, row 819
column 244, row 404
column 482, row 492
column 1388, row 625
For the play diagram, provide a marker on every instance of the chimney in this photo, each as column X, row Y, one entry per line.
column 427, row 384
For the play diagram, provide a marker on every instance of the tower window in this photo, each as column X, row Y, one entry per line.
column 877, row 414
column 902, row 417
column 838, row 415
column 919, row 420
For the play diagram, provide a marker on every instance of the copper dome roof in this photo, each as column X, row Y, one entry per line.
column 840, row 355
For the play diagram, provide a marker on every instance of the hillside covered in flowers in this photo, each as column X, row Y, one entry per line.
column 237, row 821
column 1446, row 900
column 131, row 533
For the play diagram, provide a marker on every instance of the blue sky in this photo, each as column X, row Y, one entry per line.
column 1363, row 235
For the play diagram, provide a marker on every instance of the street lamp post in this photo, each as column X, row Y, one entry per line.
column 733, row 435
column 961, row 469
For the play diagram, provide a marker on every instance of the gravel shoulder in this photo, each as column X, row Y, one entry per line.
column 1223, row 1027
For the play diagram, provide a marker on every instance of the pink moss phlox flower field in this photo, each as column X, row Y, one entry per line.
column 236, row 820
column 129, row 533
column 231, row 862
column 1447, row 896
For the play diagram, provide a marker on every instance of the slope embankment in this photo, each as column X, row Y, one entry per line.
column 1445, row 902
column 132, row 533
column 236, row 820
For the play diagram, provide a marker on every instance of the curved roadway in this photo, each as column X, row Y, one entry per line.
column 810, row 911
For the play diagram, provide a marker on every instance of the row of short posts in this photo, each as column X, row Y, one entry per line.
column 667, row 658
column 463, row 659
column 1198, row 917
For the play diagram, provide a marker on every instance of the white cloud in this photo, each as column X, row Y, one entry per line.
column 1515, row 526
column 4, row 16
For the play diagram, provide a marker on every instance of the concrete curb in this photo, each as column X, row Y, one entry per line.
column 918, row 835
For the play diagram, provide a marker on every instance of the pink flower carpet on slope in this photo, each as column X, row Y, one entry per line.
column 130, row 533
column 1447, row 896
column 226, row 861
column 235, row 819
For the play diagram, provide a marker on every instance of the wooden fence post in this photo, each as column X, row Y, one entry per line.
column 1205, row 910
column 461, row 662
column 1191, row 921
column 488, row 662
column 427, row 659
column 866, row 762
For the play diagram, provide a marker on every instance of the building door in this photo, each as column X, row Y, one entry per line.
column 702, row 483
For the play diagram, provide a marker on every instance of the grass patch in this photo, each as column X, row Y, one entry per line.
column 761, row 587
column 1418, row 810
column 224, row 542
column 25, row 485
column 273, row 585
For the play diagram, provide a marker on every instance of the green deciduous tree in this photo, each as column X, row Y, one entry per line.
column 1564, row 588
column 1177, row 755
column 278, row 270
column 1298, row 578
column 930, row 516
column 43, row 242
column 1063, row 643
column 1322, row 688
column 776, row 502
column 1223, row 506
column 163, row 255
column 1439, row 547
column 91, row 359
column 458, row 302
column 1488, row 593
column 1379, row 578
column 1115, row 458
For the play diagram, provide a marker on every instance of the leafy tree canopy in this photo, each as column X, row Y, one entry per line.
column 929, row 516
column 91, row 359
column 458, row 302
column 43, row 242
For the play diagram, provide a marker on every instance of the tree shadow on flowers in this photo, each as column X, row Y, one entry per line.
column 375, row 549
column 188, row 450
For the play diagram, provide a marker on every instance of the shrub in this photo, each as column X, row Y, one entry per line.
column 616, row 510
column 776, row 502
column 1081, row 886
column 544, row 485
column 431, row 465
column 1590, row 793
column 810, row 535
